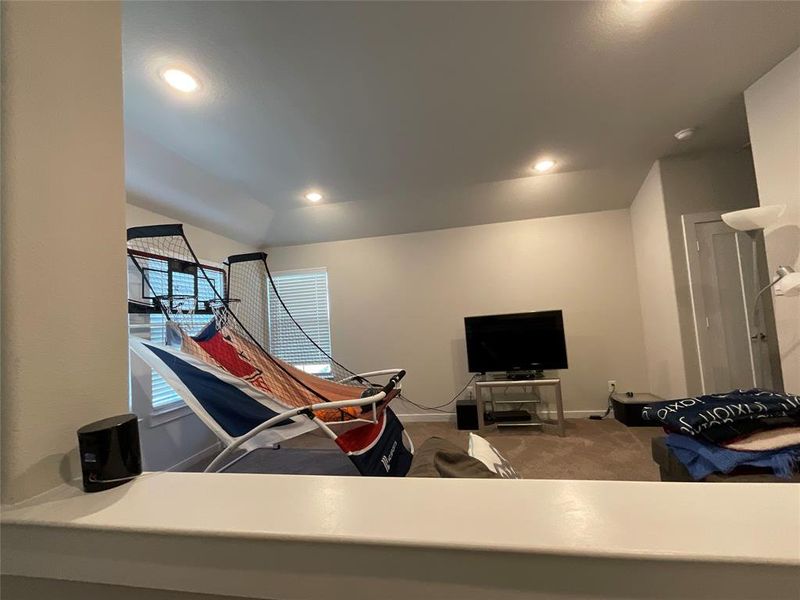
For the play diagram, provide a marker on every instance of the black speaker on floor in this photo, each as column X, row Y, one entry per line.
column 110, row 452
column 467, row 414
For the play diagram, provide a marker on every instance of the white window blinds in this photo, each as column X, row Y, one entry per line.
column 305, row 294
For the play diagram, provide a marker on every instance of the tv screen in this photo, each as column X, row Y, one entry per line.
column 523, row 341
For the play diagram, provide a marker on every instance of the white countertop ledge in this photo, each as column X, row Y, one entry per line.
column 730, row 523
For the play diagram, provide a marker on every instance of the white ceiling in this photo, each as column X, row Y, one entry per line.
column 418, row 116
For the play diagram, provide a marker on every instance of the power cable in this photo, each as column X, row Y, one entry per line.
column 440, row 406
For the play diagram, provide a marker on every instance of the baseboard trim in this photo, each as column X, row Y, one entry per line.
column 451, row 417
column 427, row 417
column 196, row 457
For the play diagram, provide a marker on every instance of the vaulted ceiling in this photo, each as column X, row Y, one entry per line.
column 418, row 116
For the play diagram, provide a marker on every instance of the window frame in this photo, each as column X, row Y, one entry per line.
column 209, row 265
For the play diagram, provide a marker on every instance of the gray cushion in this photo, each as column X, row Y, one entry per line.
column 437, row 457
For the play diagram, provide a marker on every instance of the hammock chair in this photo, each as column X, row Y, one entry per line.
column 215, row 357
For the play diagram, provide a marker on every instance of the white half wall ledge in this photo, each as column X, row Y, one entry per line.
column 278, row 536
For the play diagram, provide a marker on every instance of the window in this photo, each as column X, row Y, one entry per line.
column 190, row 291
column 187, row 286
column 305, row 294
column 162, row 396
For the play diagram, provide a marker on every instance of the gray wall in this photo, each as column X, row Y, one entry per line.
column 400, row 300
column 64, row 358
column 712, row 181
column 698, row 183
column 656, row 279
column 773, row 115
column 32, row 588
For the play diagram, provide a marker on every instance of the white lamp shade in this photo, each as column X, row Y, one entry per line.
column 753, row 218
column 788, row 285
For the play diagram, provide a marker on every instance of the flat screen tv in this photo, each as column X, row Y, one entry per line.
column 531, row 341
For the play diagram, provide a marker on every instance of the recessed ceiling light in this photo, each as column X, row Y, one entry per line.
column 685, row 134
column 544, row 165
column 180, row 80
column 313, row 196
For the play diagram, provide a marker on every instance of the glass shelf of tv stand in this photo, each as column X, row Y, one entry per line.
column 520, row 424
column 533, row 419
column 534, row 401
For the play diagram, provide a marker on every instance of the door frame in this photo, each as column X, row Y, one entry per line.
column 699, row 318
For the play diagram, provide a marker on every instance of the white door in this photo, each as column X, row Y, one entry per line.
column 736, row 339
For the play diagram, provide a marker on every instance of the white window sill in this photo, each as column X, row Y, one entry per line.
column 167, row 414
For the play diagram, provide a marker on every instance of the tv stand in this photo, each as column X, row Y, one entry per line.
column 534, row 421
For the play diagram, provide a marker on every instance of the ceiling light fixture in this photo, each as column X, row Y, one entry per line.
column 180, row 80
column 313, row 196
column 544, row 165
column 685, row 134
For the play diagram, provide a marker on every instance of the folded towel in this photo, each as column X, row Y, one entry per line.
column 770, row 439
column 702, row 459
column 724, row 417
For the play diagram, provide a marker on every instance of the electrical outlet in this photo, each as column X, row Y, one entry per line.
column 612, row 385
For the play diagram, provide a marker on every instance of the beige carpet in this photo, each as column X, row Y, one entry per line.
column 592, row 449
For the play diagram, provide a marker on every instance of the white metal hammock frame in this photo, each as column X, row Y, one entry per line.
column 266, row 434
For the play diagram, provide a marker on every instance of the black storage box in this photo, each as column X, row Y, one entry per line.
column 628, row 408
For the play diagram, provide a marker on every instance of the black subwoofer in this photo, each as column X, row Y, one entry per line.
column 467, row 414
column 110, row 452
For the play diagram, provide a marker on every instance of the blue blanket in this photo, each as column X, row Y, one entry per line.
column 723, row 417
column 702, row 459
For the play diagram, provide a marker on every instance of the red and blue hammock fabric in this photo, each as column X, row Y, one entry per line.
column 376, row 449
column 237, row 406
